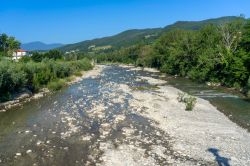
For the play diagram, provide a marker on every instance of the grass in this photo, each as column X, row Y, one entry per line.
column 78, row 74
column 56, row 85
column 69, row 79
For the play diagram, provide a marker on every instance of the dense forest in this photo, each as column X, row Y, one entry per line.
column 51, row 69
column 219, row 54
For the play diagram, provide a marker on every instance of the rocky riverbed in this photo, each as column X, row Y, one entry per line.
column 120, row 115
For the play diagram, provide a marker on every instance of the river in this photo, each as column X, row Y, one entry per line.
column 75, row 125
column 231, row 103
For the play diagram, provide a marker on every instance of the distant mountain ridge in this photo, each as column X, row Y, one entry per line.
column 130, row 37
column 40, row 46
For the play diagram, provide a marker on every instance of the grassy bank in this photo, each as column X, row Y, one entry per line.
column 52, row 74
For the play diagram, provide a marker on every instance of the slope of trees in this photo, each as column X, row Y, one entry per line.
column 215, row 53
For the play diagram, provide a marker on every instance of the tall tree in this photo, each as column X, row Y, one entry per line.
column 3, row 42
column 231, row 35
column 245, row 43
column 13, row 44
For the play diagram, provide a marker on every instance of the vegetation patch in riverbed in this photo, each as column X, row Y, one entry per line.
column 189, row 100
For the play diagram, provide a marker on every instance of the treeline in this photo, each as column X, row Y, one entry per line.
column 218, row 54
column 54, row 55
column 50, row 69
column 8, row 44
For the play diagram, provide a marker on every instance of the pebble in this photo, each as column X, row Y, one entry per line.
column 29, row 151
column 18, row 154
column 38, row 143
column 3, row 110
column 158, row 133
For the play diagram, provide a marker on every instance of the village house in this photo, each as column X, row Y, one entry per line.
column 18, row 54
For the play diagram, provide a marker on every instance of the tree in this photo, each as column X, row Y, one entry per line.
column 8, row 44
column 3, row 42
column 231, row 35
column 248, row 86
column 245, row 43
column 37, row 57
column 53, row 54
column 13, row 45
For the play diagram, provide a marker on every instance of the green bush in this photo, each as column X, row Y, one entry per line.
column 12, row 78
column 56, row 85
column 78, row 74
column 189, row 101
column 32, row 75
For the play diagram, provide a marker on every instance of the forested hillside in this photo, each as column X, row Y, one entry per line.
column 146, row 36
column 216, row 53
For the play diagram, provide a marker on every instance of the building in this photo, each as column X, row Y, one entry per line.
column 18, row 54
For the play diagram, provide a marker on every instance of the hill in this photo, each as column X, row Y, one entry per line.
column 123, row 39
column 131, row 37
column 35, row 46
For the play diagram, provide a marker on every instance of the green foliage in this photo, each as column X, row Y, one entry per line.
column 12, row 78
column 25, row 59
column 78, row 74
column 217, row 53
column 52, row 54
column 8, row 44
column 248, row 87
column 37, row 57
column 32, row 75
column 56, row 85
column 245, row 43
column 145, row 36
column 125, row 55
column 189, row 101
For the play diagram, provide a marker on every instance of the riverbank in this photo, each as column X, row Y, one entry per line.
column 104, row 119
column 27, row 96
column 203, row 133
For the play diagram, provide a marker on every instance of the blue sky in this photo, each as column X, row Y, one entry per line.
column 69, row 21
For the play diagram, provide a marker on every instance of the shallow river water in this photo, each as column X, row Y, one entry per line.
column 230, row 103
column 67, row 128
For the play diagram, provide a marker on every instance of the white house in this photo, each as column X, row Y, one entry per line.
column 19, row 54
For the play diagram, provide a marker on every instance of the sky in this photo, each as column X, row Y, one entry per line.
column 70, row 21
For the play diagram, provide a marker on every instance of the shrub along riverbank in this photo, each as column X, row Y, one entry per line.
column 216, row 54
column 16, row 76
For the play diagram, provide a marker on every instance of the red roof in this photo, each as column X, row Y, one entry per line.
column 20, row 50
